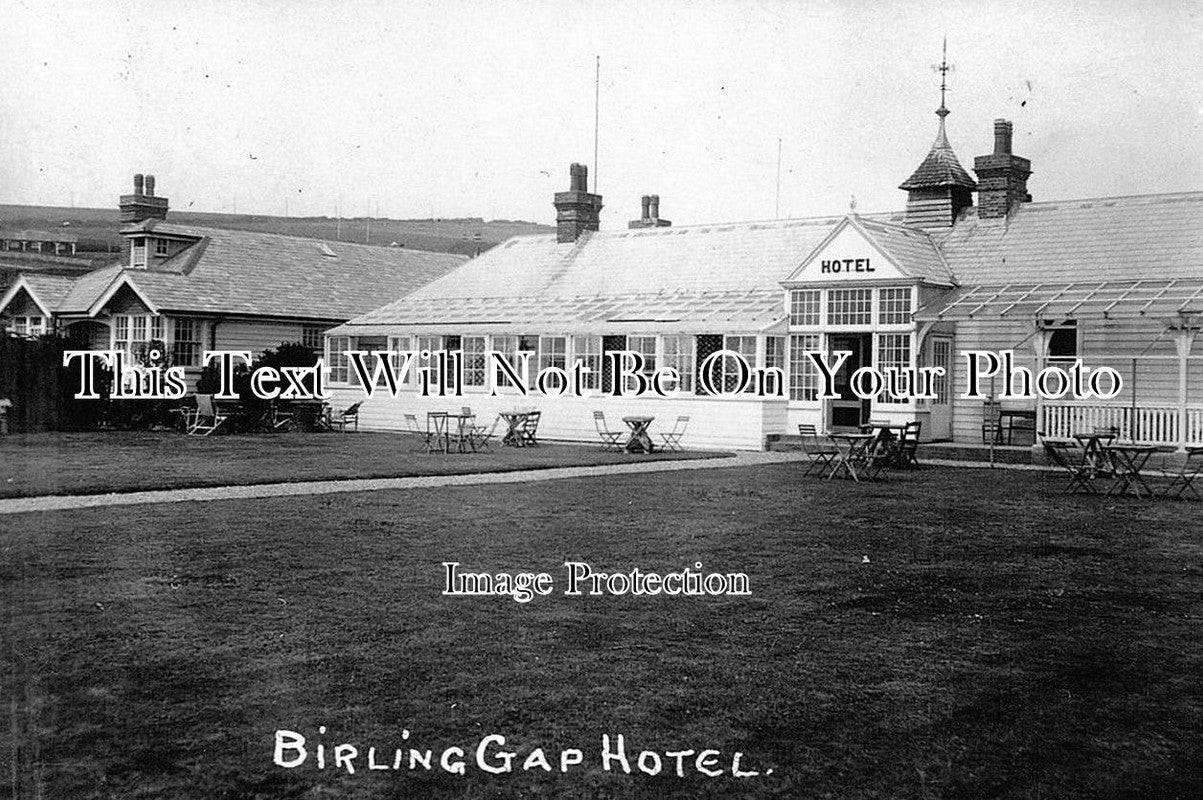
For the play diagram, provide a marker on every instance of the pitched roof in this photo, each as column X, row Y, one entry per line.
column 47, row 291
column 1114, row 238
column 699, row 275
column 728, row 277
column 913, row 250
column 1151, row 299
column 263, row 274
column 940, row 167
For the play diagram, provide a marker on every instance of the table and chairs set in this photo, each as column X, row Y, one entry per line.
column 638, row 436
column 1099, row 461
column 206, row 414
column 864, row 454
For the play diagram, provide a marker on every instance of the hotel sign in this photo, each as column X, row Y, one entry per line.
column 837, row 266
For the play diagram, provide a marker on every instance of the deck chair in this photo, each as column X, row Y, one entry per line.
column 821, row 454
column 1081, row 476
column 529, row 428
column 347, row 416
column 1192, row 468
column 414, row 428
column 611, row 440
column 672, row 439
column 991, row 422
column 483, row 434
column 908, row 445
column 436, row 432
column 207, row 418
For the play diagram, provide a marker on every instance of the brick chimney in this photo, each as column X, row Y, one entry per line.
column 1002, row 178
column 142, row 204
column 651, row 214
column 577, row 210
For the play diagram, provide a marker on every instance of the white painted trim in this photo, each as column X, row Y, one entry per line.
column 118, row 282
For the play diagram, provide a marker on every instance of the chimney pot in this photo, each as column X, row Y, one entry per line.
column 578, row 175
column 1002, row 137
column 150, row 185
column 647, row 202
column 655, row 209
column 138, row 183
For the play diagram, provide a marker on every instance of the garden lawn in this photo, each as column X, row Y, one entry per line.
column 948, row 633
column 126, row 461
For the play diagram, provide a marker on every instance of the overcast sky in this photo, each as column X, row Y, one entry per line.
column 477, row 109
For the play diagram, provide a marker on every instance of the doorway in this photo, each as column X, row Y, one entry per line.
column 940, row 355
column 849, row 411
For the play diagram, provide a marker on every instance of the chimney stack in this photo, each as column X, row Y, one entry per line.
column 651, row 214
column 577, row 210
column 142, row 204
column 1002, row 177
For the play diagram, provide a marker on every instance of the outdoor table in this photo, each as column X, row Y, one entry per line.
column 1128, row 460
column 310, row 415
column 514, row 421
column 462, row 435
column 640, row 440
column 888, row 435
column 1026, row 418
column 852, row 455
column 1094, row 457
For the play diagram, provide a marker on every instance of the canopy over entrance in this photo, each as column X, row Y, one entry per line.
column 1149, row 299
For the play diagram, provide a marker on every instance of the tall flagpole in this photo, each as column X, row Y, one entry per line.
column 777, row 207
column 596, row 117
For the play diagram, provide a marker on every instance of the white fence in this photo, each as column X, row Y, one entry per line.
column 1162, row 424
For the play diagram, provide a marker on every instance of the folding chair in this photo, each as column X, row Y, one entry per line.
column 611, row 440
column 672, row 439
column 992, row 422
column 821, row 454
column 1192, row 467
column 207, row 418
column 529, row 428
column 414, row 428
column 436, row 432
column 908, row 445
column 344, row 418
column 483, row 434
column 1081, row 476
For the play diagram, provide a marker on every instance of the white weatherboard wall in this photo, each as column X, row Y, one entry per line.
column 715, row 423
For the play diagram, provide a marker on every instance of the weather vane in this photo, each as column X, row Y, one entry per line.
column 943, row 68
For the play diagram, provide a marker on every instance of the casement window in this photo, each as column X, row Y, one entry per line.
column 850, row 307
column 186, row 342
column 137, row 253
column 745, row 346
column 28, row 326
column 646, row 347
column 804, row 307
column 774, row 357
column 587, row 350
column 398, row 345
column 475, row 364
column 160, row 247
column 132, row 332
column 893, row 352
column 336, row 358
column 894, row 306
column 432, row 346
column 1063, row 341
column 679, row 354
column 803, row 374
column 553, row 352
column 311, row 337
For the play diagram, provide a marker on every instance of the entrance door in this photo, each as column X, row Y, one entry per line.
column 849, row 411
column 940, row 355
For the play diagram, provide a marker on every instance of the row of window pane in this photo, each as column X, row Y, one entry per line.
column 850, row 307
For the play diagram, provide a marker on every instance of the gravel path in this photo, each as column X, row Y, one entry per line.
column 20, row 505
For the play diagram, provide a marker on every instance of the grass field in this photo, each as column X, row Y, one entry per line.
column 122, row 461
column 946, row 634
